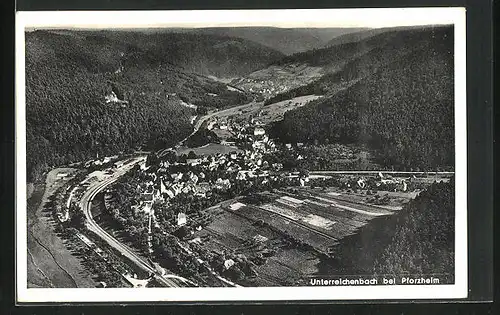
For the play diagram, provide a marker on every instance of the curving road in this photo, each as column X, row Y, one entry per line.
column 225, row 112
column 85, row 204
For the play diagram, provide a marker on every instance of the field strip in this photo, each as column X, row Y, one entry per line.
column 279, row 262
column 337, row 215
column 267, row 276
column 55, row 260
column 219, row 237
column 315, row 220
column 337, row 205
column 381, row 207
column 278, row 224
column 320, row 204
column 38, row 268
column 299, row 224
column 284, row 212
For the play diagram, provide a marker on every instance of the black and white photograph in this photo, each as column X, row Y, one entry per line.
column 241, row 155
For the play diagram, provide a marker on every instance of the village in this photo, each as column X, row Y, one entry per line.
column 201, row 176
column 250, row 186
column 248, row 164
column 239, row 208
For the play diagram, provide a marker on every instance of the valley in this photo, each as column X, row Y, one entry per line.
column 206, row 158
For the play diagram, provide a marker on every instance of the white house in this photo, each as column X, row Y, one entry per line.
column 193, row 178
column 147, row 207
column 241, row 175
column 187, row 189
column 193, row 161
column 222, row 183
column 259, row 131
column 181, row 219
column 361, row 183
column 170, row 192
column 303, row 181
column 163, row 188
column 210, row 125
column 111, row 97
column 228, row 263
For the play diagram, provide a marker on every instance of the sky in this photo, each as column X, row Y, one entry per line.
column 310, row 18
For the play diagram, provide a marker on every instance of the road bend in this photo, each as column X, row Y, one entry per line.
column 206, row 117
column 85, row 204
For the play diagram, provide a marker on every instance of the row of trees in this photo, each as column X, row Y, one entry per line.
column 202, row 137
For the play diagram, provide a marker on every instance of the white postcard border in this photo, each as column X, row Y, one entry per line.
column 292, row 18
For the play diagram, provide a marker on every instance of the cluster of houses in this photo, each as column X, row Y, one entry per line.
column 264, row 87
column 99, row 162
column 206, row 173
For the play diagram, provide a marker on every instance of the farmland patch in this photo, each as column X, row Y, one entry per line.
column 209, row 149
column 318, row 221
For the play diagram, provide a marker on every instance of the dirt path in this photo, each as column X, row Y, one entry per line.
column 50, row 262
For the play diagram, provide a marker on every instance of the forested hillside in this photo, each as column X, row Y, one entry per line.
column 285, row 40
column 351, row 62
column 398, row 99
column 364, row 34
column 70, row 74
column 336, row 55
column 424, row 238
column 207, row 54
column 419, row 240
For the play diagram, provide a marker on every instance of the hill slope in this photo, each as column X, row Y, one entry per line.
column 286, row 40
column 357, row 55
column 395, row 96
column 70, row 74
column 418, row 240
column 365, row 34
column 206, row 54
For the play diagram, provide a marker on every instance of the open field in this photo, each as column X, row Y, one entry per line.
column 276, row 111
column 292, row 230
column 319, row 240
column 237, row 112
column 395, row 201
column 209, row 149
column 278, row 79
column 231, row 232
column 50, row 262
column 266, row 114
